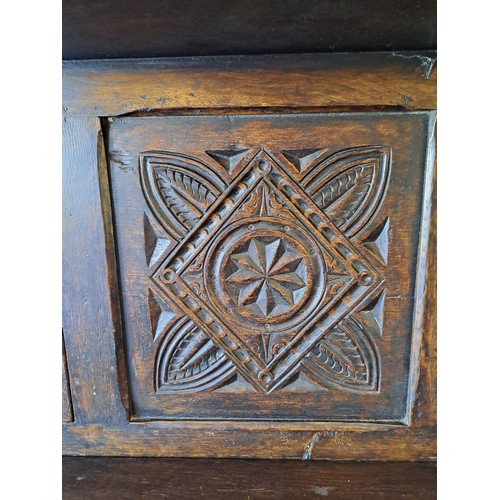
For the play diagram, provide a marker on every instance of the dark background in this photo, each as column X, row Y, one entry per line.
column 155, row 28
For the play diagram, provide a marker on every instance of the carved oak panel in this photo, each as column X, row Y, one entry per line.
column 268, row 263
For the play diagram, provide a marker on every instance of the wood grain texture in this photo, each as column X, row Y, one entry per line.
column 126, row 28
column 274, row 440
column 425, row 404
column 89, row 307
column 92, row 310
column 116, row 87
column 425, row 288
column 335, row 379
column 109, row 478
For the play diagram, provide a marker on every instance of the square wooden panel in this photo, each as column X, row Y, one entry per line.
column 268, row 263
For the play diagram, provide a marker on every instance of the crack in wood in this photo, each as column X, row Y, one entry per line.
column 309, row 448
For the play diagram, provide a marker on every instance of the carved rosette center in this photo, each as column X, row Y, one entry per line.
column 265, row 273
column 269, row 277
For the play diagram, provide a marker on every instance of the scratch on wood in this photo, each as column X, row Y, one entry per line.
column 426, row 63
column 323, row 491
column 340, row 438
column 310, row 446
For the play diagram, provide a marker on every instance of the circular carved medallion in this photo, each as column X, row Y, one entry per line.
column 266, row 274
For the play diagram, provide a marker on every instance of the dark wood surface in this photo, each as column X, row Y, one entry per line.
column 89, row 305
column 127, row 28
column 331, row 346
column 213, row 87
column 127, row 478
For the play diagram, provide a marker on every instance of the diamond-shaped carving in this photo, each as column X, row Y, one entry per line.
column 266, row 274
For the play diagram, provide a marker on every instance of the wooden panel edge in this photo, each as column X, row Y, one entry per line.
column 112, row 273
column 249, row 440
column 115, row 87
column 88, row 311
column 425, row 273
column 67, row 404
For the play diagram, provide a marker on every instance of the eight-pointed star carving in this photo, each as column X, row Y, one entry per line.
column 268, row 275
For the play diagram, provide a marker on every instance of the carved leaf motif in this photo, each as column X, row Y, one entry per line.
column 344, row 358
column 194, row 354
column 178, row 189
column 344, row 193
column 348, row 186
column 184, row 196
column 187, row 187
column 190, row 361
